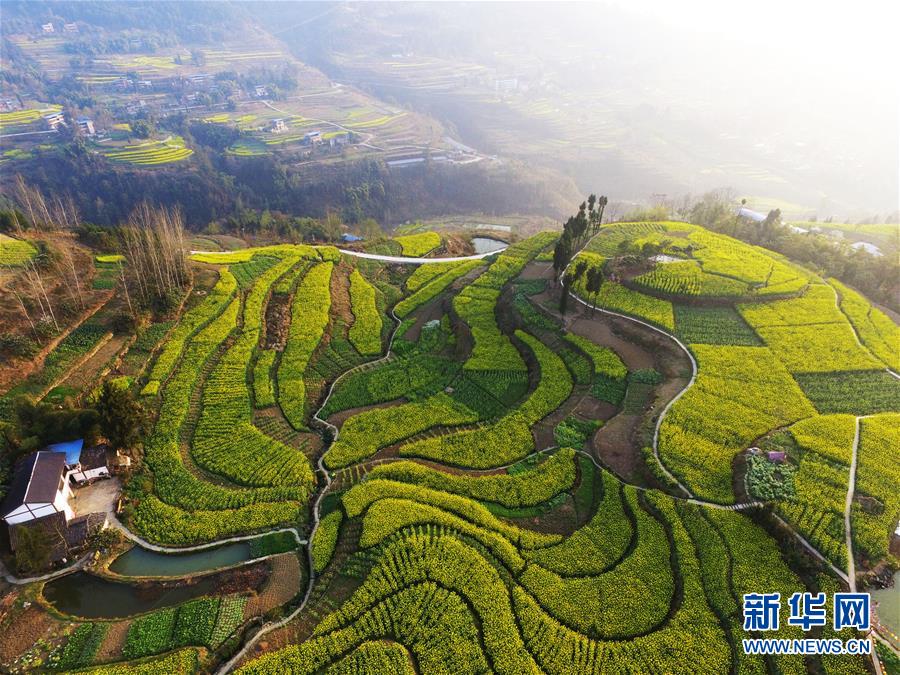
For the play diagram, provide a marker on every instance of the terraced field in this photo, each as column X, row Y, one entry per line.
column 149, row 153
column 15, row 252
column 409, row 426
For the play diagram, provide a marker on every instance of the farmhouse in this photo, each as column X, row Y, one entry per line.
column 312, row 137
column 260, row 91
column 869, row 248
column 70, row 27
column 755, row 216
column 86, row 126
column 54, row 119
column 277, row 126
column 39, row 489
column 38, row 498
column 47, row 28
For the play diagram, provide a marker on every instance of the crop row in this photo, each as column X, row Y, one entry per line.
column 690, row 279
column 476, row 305
column 610, row 604
column 365, row 333
column 606, row 362
column 309, row 318
column 190, row 624
column 417, row 245
column 860, row 393
column 509, row 439
column 173, row 483
column 692, row 633
column 875, row 329
column 431, row 621
column 448, row 567
column 181, row 662
column 618, row 298
column 876, row 509
column 414, row 376
column 211, row 307
column 186, row 509
column 809, row 333
column 263, row 391
column 424, row 274
column 325, row 539
column 435, row 287
column 364, row 434
column 716, row 325
column 226, row 442
column 533, row 486
column 167, row 524
column 15, row 252
column 596, row 546
column 82, row 646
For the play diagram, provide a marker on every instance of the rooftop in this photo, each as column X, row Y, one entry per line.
column 35, row 480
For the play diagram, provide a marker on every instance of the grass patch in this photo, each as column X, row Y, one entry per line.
column 713, row 326
column 856, row 393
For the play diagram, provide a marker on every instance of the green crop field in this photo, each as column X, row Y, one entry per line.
column 447, row 450
column 15, row 252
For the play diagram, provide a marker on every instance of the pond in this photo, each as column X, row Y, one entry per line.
column 487, row 245
column 92, row 597
column 888, row 600
column 140, row 562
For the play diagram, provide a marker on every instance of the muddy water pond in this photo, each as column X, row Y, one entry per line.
column 92, row 597
column 140, row 562
column 487, row 245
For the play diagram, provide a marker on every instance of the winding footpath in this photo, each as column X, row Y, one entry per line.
column 851, row 488
column 399, row 259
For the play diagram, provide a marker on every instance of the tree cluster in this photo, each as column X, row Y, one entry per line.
column 577, row 230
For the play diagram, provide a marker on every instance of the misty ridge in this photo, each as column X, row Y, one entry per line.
column 652, row 103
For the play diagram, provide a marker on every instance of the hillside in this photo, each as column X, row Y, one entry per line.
column 467, row 480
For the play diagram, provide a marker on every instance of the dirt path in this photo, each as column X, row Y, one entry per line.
column 19, row 369
column 851, row 488
column 114, row 642
column 88, row 371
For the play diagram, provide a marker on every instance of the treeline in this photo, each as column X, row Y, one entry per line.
column 213, row 186
column 127, row 42
column 151, row 239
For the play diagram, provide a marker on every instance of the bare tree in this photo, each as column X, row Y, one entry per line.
column 153, row 241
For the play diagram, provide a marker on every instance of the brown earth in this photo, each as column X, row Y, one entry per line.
column 90, row 369
column 340, row 292
column 282, row 585
column 618, row 443
column 26, row 628
column 278, row 320
column 114, row 642
column 15, row 370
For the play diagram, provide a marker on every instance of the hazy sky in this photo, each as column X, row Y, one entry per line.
column 857, row 38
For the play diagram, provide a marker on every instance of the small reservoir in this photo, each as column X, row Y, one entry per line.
column 141, row 562
column 487, row 245
column 92, row 597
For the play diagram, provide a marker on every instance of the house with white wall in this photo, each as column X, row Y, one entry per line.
column 39, row 488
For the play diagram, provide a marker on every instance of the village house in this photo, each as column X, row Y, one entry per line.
column 54, row 120
column 40, row 494
column 277, row 126
column 47, row 28
column 260, row 91
column 70, row 27
column 86, row 126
